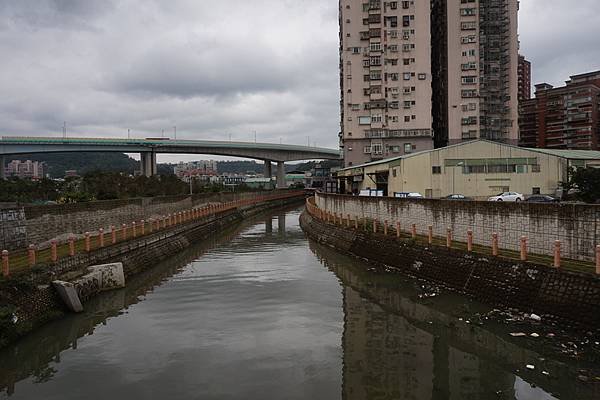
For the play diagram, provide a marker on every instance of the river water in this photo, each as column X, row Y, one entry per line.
column 260, row 312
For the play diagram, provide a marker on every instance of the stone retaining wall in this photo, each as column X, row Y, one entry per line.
column 568, row 297
column 21, row 226
column 575, row 225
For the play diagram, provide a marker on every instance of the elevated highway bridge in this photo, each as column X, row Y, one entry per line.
column 150, row 147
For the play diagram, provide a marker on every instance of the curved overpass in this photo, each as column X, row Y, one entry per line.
column 148, row 148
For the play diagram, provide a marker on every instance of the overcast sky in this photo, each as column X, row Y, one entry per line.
column 214, row 68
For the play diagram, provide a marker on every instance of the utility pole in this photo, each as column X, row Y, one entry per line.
column 175, row 131
column 254, row 136
column 65, row 129
column 128, row 133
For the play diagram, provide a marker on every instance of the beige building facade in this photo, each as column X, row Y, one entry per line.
column 475, row 62
column 477, row 169
column 385, row 79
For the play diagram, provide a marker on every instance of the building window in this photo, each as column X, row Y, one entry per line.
column 536, row 190
column 364, row 120
column 422, row 77
column 436, row 170
column 535, row 168
column 406, row 76
column 408, row 148
column 394, row 173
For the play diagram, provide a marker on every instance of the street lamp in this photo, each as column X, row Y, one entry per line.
column 460, row 164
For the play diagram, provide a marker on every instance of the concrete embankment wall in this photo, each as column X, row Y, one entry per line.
column 575, row 225
column 32, row 301
column 570, row 298
column 30, row 224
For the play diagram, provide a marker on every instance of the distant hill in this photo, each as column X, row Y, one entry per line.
column 58, row 163
column 84, row 163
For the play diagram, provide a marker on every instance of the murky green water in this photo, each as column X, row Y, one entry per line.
column 262, row 313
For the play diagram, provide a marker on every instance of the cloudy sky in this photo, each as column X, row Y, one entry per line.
column 214, row 68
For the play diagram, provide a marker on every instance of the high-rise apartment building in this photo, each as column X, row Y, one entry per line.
column 33, row 170
column 475, row 61
column 524, row 76
column 385, row 79
column 566, row 117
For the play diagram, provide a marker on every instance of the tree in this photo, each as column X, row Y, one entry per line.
column 587, row 182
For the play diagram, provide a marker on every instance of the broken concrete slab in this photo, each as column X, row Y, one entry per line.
column 68, row 294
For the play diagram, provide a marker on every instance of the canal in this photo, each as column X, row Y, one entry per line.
column 260, row 312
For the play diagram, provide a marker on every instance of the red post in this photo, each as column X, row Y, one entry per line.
column 469, row 240
column 557, row 254
column 449, row 238
column 71, row 246
column 101, row 237
column 385, row 227
column 413, row 231
column 87, row 242
column 142, row 227
column 598, row 259
column 495, row 244
column 113, row 234
column 523, row 248
column 430, row 234
column 31, row 255
column 5, row 264
column 53, row 251
column 124, row 231
column 133, row 229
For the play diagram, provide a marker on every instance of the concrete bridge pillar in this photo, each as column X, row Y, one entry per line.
column 281, row 175
column 148, row 163
column 2, row 168
column 268, row 170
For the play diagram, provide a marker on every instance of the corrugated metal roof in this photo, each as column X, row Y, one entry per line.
column 569, row 154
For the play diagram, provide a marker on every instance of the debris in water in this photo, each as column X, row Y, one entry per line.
column 517, row 334
column 535, row 317
column 545, row 373
column 15, row 319
column 529, row 366
column 534, row 335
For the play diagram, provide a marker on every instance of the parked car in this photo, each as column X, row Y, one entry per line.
column 457, row 197
column 542, row 198
column 508, row 196
column 408, row 195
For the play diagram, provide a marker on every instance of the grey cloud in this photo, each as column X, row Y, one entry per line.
column 214, row 68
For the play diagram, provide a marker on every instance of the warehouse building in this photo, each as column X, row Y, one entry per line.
column 477, row 169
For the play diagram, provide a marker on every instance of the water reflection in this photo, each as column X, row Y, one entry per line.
column 397, row 346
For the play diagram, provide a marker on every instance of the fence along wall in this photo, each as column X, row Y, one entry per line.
column 21, row 226
column 575, row 225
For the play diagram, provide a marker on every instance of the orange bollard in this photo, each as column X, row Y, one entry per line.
column 469, row 240
column 374, row 226
column 150, row 225
column 398, row 229
column 133, row 229
column 557, row 254
column 598, row 259
column 413, row 231
column 101, row 237
column 53, row 251
column 523, row 248
column 449, row 238
column 430, row 234
column 87, row 242
column 356, row 223
column 31, row 255
column 113, row 234
column 71, row 246
column 142, row 227
column 124, row 231
column 169, row 220
column 495, row 244
column 385, row 227
column 5, row 264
